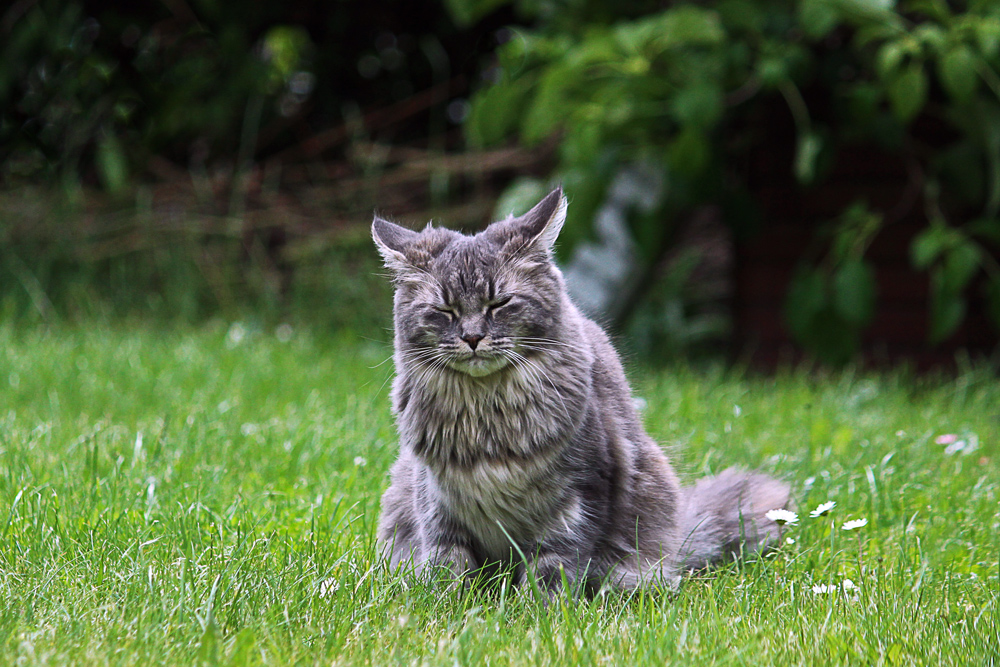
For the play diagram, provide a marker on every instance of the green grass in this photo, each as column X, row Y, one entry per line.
column 177, row 497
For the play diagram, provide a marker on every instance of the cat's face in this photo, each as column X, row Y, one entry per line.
column 478, row 304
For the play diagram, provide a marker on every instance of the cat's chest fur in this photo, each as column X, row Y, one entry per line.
column 453, row 420
column 493, row 449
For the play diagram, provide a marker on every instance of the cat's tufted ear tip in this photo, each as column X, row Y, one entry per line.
column 381, row 228
column 546, row 219
column 549, row 204
column 391, row 236
column 392, row 242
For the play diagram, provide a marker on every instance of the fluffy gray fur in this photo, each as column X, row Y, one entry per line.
column 519, row 441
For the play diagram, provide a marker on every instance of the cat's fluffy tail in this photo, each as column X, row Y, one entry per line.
column 723, row 517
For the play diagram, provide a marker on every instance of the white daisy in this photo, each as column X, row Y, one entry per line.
column 783, row 516
column 823, row 509
column 854, row 523
column 954, row 447
column 328, row 587
column 826, row 589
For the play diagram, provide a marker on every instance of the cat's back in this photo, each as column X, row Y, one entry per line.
column 609, row 383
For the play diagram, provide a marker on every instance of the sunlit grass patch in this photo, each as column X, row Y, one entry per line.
column 185, row 496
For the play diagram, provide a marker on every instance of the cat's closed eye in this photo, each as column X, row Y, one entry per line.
column 447, row 310
column 439, row 316
column 497, row 304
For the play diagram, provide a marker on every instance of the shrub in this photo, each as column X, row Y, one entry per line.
column 677, row 86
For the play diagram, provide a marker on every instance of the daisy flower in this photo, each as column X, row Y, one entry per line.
column 825, row 589
column 854, row 523
column 823, row 509
column 783, row 516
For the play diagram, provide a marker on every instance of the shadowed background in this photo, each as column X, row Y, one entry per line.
column 767, row 180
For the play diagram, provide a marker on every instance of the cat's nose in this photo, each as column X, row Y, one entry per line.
column 473, row 341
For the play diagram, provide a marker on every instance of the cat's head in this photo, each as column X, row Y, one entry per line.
column 477, row 304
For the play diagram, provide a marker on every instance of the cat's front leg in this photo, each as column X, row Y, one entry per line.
column 450, row 564
column 554, row 571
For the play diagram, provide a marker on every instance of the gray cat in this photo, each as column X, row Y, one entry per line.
column 519, row 440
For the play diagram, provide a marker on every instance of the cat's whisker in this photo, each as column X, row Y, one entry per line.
column 388, row 377
column 551, row 349
column 546, row 346
column 419, row 354
column 539, row 374
column 382, row 363
column 429, row 354
column 548, row 341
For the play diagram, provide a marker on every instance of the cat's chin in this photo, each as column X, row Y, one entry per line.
column 479, row 366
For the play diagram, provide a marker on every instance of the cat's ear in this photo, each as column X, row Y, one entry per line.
column 392, row 242
column 541, row 225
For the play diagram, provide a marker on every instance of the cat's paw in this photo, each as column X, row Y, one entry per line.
column 549, row 577
column 452, row 568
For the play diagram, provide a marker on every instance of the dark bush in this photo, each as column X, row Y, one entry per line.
column 687, row 89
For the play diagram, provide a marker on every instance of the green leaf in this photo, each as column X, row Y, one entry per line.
column 985, row 229
column 832, row 340
column 686, row 24
column 679, row 26
column 689, row 152
column 864, row 103
column 867, row 10
column 854, row 292
column 957, row 70
column 807, row 297
column 960, row 264
column 497, row 110
column 817, row 18
column 744, row 15
column 806, row 153
column 908, row 91
column 548, row 109
column 582, row 143
column 286, row 46
column 928, row 246
column 889, row 58
column 988, row 35
column 936, row 10
column 699, row 104
column 467, row 12
column 853, row 232
column 587, row 187
column 932, row 35
column 112, row 167
column 947, row 309
column 772, row 70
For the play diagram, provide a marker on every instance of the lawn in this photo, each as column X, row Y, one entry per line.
column 209, row 496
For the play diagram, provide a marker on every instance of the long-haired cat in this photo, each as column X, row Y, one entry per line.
column 519, row 440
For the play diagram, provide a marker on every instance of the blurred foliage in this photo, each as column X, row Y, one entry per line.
column 190, row 270
column 90, row 90
column 831, row 302
column 142, row 152
column 81, row 95
column 679, row 83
